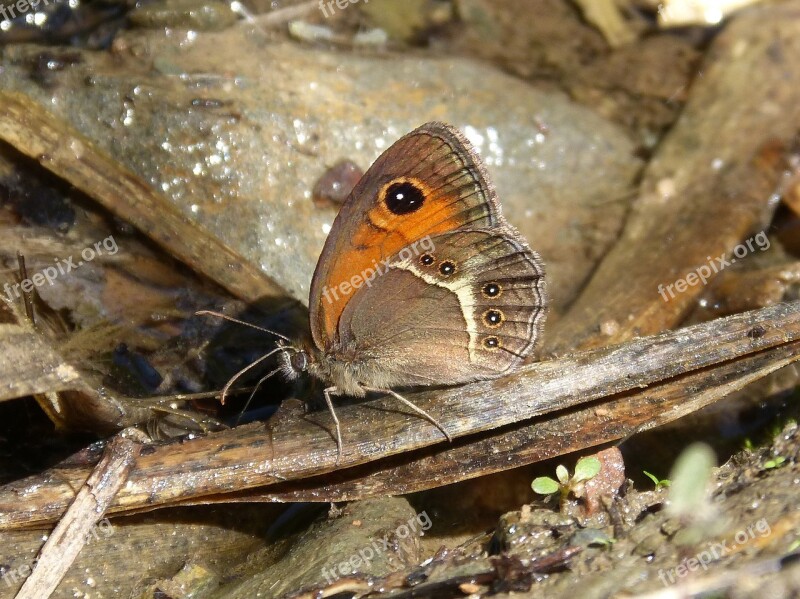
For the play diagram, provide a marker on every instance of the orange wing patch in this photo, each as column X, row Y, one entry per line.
column 380, row 237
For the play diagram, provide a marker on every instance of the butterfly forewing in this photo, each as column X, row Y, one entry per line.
column 429, row 182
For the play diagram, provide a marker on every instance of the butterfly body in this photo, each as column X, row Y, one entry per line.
column 350, row 376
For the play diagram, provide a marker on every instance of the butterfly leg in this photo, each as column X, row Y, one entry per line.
column 417, row 409
column 328, row 392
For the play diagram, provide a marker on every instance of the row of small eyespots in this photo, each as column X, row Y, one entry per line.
column 447, row 268
column 492, row 317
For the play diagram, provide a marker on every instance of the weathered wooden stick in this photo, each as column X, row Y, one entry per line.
column 86, row 510
column 260, row 455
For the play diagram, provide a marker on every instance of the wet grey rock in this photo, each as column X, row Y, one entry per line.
column 236, row 130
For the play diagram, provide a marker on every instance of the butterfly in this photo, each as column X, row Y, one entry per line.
column 421, row 281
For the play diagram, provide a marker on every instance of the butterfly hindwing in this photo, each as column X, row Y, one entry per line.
column 467, row 306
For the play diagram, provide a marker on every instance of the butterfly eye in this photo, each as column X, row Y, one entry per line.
column 403, row 198
column 299, row 361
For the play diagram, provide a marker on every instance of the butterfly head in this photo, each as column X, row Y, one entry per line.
column 293, row 360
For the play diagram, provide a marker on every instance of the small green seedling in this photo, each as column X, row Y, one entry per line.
column 775, row 462
column 606, row 542
column 660, row 484
column 690, row 491
column 585, row 469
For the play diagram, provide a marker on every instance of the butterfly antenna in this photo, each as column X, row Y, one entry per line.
column 238, row 375
column 253, row 393
column 236, row 320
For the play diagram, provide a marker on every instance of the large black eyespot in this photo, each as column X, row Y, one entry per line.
column 491, row 343
column 493, row 318
column 403, row 198
column 491, row 290
column 426, row 260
